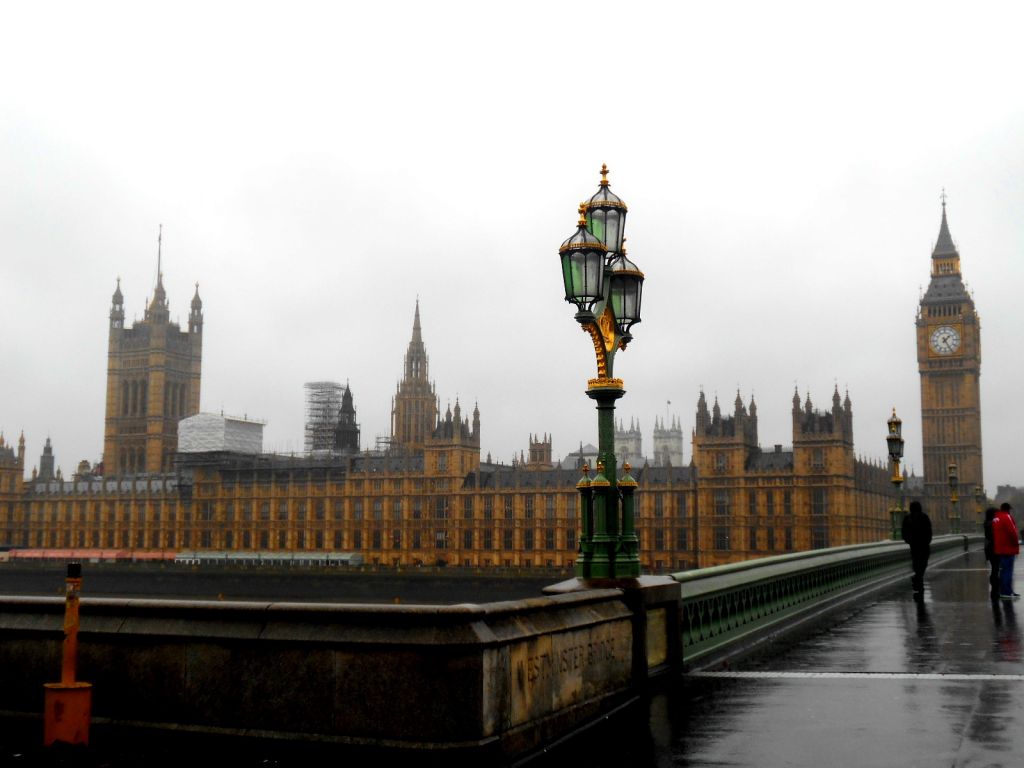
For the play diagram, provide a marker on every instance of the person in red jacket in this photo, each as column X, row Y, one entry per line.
column 1006, row 546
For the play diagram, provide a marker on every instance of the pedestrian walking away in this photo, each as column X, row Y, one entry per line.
column 917, row 532
column 1006, row 546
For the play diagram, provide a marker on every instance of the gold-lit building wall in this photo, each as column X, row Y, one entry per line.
column 395, row 512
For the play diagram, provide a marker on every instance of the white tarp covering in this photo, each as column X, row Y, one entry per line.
column 207, row 432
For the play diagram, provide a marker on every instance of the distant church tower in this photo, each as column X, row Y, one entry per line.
column 540, row 452
column 668, row 443
column 153, row 371
column 414, row 407
column 629, row 443
column 949, row 360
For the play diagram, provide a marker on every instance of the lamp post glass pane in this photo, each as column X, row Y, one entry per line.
column 606, row 226
column 895, row 448
column 895, row 444
column 625, row 299
column 582, row 271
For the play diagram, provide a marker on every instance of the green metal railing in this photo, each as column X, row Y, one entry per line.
column 732, row 605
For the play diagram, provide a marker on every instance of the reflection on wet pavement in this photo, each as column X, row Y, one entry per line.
column 894, row 682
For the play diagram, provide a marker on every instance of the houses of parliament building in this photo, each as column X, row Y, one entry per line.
column 174, row 479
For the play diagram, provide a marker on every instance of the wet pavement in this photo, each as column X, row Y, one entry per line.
column 893, row 682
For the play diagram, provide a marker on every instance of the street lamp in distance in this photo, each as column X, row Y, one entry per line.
column 954, row 485
column 979, row 503
column 895, row 443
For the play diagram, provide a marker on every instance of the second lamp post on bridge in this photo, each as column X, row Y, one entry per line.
column 895, row 442
column 606, row 288
column 954, row 497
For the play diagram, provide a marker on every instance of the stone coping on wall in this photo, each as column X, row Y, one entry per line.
column 462, row 624
column 725, row 577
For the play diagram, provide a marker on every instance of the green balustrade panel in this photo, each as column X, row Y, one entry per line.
column 733, row 603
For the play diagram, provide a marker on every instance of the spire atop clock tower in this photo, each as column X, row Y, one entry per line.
column 945, row 257
column 946, row 285
column 944, row 245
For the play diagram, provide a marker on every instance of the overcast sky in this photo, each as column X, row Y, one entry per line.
column 316, row 167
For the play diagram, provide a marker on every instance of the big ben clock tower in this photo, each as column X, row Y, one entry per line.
column 949, row 360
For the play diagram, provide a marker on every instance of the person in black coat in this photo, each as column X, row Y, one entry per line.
column 917, row 532
column 990, row 555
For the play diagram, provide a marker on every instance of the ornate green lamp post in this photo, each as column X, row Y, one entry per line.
column 895, row 442
column 954, row 484
column 606, row 288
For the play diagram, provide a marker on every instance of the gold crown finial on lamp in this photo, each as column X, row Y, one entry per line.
column 604, row 174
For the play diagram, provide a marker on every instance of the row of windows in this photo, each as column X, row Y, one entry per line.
column 758, row 539
column 435, row 507
column 722, row 500
column 945, row 310
column 817, row 460
column 375, row 539
column 722, row 539
column 135, row 398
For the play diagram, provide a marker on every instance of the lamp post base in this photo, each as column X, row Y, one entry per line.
column 897, row 523
column 67, row 710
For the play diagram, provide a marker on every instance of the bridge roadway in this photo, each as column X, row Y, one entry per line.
column 887, row 681
column 890, row 682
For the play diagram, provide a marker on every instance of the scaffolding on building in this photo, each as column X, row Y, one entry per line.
column 323, row 406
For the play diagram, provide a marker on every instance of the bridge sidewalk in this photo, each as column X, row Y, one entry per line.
column 937, row 681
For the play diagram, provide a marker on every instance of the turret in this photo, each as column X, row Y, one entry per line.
column 46, row 472
column 117, row 308
column 703, row 417
column 195, row 317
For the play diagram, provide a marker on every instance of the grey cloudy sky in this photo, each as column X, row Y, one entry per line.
column 317, row 167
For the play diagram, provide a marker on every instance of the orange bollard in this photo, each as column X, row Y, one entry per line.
column 67, row 705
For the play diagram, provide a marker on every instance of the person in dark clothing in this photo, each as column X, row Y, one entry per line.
column 990, row 554
column 917, row 532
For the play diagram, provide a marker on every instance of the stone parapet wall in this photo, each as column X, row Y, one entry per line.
column 502, row 677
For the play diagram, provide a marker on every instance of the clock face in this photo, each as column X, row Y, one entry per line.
column 945, row 340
